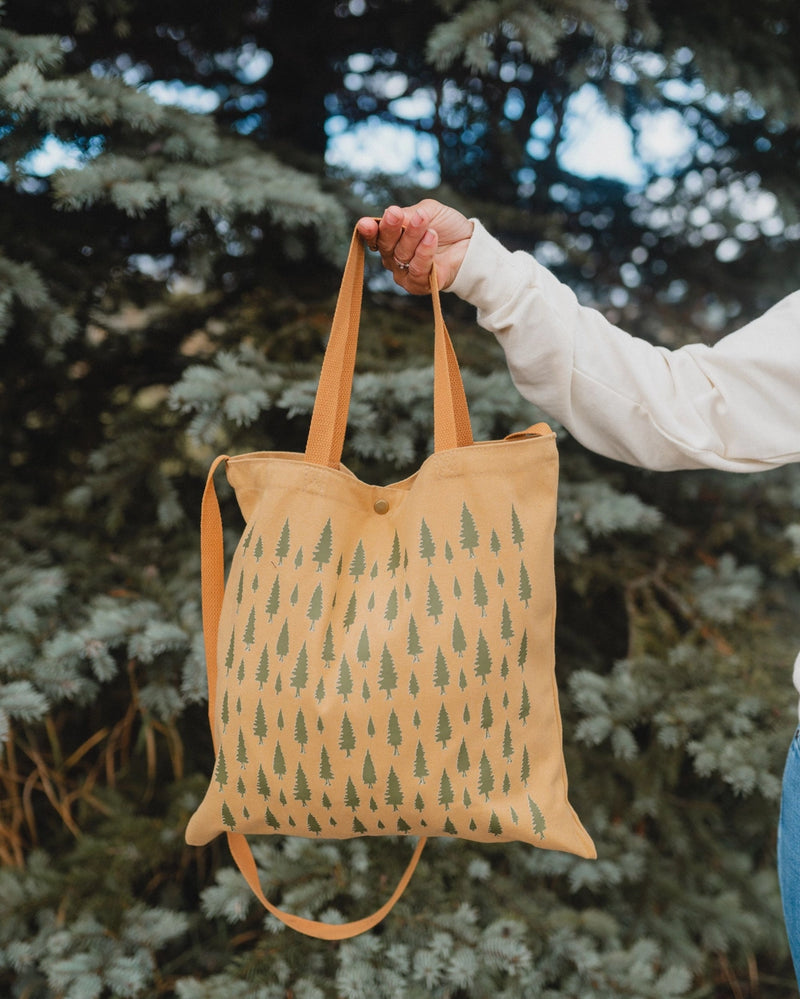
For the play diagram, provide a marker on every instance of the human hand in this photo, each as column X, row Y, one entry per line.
column 411, row 240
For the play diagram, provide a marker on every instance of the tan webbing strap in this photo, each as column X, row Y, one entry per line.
column 329, row 418
column 212, row 574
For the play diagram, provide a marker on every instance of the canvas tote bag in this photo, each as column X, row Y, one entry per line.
column 380, row 660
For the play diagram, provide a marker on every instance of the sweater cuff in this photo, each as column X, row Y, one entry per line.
column 490, row 274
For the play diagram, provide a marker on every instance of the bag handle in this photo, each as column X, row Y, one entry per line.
column 451, row 424
column 212, row 574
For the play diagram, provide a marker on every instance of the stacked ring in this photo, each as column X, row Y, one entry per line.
column 401, row 265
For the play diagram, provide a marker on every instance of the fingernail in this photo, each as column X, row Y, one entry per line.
column 392, row 217
column 418, row 219
column 428, row 238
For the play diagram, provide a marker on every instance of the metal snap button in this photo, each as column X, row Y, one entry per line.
column 381, row 506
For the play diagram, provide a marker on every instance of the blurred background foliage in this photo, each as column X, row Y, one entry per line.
column 177, row 190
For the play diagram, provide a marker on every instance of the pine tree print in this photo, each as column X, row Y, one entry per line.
column 325, row 768
column 413, row 645
column 441, row 674
column 508, row 746
column 240, row 591
column 270, row 819
column 344, row 685
column 241, row 752
column 225, row 714
column 416, row 721
column 524, row 705
column 358, row 826
column 522, row 658
column 227, row 817
column 373, row 572
column 387, row 674
column 254, row 584
column 427, row 546
column 362, row 652
column 250, row 630
column 394, row 791
column 469, row 537
column 262, row 785
column 487, row 716
column 313, row 824
column 258, row 551
column 480, row 594
column 494, row 825
column 434, row 606
column 494, row 543
column 262, row 673
column 350, row 613
column 501, row 579
column 365, row 692
column 485, row 777
column 314, row 612
column 419, row 803
column 295, row 595
column 524, row 591
column 260, row 723
column 537, row 819
column 525, row 769
column 221, row 770
column 278, row 762
column 483, row 658
column 459, row 639
column 351, row 798
column 300, row 730
column 240, row 675
column 444, row 729
column 358, row 564
column 420, row 764
column 347, row 737
column 394, row 558
column 517, row 533
column 324, row 547
column 248, row 539
column 446, row 796
column 299, row 677
column 391, row 608
column 282, row 547
column 282, row 647
column 368, row 774
column 328, row 652
column 462, row 760
column 506, row 627
column 302, row 792
column 229, row 656
column 298, row 559
column 448, row 552
column 394, row 734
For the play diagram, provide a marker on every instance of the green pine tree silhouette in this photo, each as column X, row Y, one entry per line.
column 441, row 674
column 227, row 816
column 446, row 795
column 314, row 612
column 485, row 777
column 262, row 784
column 302, row 792
column 459, row 639
column 413, row 646
column 362, row 652
column 444, row 729
column 325, row 768
column 462, row 760
column 394, row 733
column 394, row 559
column 221, row 770
column 282, row 547
column 250, row 630
column 323, row 550
column 300, row 730
column 350, row 613
column 434, row 606
column 394, row 791
column 517, row 533
column 344, row 685
column 469, row 537
column 387, row 674
column 347, row 737
column 299, row 677
column 427, row 546
column 483, row 658
column 260, row 723
column 480, row 593
column 262, row 673
column 278, row 762
column 358, row 563
column 420, row 764
column 368, row 774
column 351, row 798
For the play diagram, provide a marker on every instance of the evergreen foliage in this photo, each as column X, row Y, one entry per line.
column 166, row 295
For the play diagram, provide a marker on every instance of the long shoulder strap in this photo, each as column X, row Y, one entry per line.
column 212, row 573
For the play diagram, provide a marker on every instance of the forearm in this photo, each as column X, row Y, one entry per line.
column 735, row 406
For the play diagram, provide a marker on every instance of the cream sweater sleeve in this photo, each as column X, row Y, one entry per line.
column 733, row 406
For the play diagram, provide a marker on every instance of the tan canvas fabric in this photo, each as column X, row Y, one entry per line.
column 382, row 660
